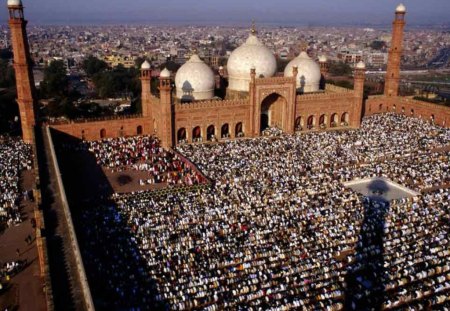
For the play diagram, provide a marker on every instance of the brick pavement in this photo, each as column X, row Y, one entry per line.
column 26, row 289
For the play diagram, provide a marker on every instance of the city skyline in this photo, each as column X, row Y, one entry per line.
column 233, row 12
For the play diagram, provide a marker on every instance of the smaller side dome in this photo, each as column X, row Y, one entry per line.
column 400, row 8
column 164, row 73
column 195, row 80
column 360, row 65
column 308, row 77
column 145, row 65
column 14, row 2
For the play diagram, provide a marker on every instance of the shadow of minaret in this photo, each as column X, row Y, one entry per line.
column 366, row 274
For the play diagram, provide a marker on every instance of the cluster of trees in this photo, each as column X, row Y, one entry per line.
column 108, row 82
column 378, row 45
column 112, row 82
column 339, row 69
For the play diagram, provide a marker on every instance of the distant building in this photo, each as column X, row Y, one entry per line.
column 350, row 57
column 377, row 59
column 116, row 60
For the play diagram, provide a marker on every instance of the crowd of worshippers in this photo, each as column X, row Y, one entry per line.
column 143, row 153
column 278, row 230
column 15, row 156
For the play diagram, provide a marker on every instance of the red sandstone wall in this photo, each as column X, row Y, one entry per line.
column 112, row 128
column 327, row 104
column 216, row 113
column 409, row 107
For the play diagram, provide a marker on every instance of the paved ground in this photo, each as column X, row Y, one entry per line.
column 26, row 287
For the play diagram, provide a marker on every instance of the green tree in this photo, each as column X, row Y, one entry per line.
column 378, row 45
column 118, row 81
column 7, row 78
column 55, row 83
column 339, row 69
column 93, row 66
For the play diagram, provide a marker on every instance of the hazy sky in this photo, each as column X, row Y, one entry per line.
column 302, row 12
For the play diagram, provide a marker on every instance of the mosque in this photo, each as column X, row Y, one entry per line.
column 255, row 98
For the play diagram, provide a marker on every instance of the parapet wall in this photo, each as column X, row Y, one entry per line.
column 95, row 129
column 440, row 114
column 336, row 89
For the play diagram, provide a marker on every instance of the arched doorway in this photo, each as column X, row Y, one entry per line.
column 264, row 120
column 196, row 134
column 412, row 112
column 311, row 122
column 334, row 120
column 344, row 119
column 139, row 130
column 211, row 132
column 239, row 130
column 225, row 131
column 299, row 124
column 323, row 121
column 181, row 135
column 102, row 133
column 272, row 111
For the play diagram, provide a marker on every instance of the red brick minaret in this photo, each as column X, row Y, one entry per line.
column 392, row 80
column 165, row 130
column 146, row 101
column 358, row 88
column 22, row 67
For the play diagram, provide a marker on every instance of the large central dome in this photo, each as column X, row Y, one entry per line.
column 194, row 80
column 252, row 54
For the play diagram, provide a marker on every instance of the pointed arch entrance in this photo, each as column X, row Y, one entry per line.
column 273, row 109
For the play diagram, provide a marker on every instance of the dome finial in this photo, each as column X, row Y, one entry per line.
column 304, row 47
column 253, row 29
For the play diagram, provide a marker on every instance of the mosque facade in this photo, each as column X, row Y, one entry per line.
column 255, row 98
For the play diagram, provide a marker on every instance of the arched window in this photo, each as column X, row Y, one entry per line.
column 412, row 112
column 394, row 107
column 225, row 131
column 102, row 133
column 139, row 130
column 239, row 130
column 121, row 132
column 403, row 109
column 83, row 137
column 211, row 133
column 196, row 134
column 181, row 135
column 380, row 107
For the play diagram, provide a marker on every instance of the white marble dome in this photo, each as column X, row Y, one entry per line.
column 145, row 65
column 308, row 78
column 400, row 8
column 14, row 2
column 194, row 80
column 165, row 73
column 322, row 59
column 251, row 54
